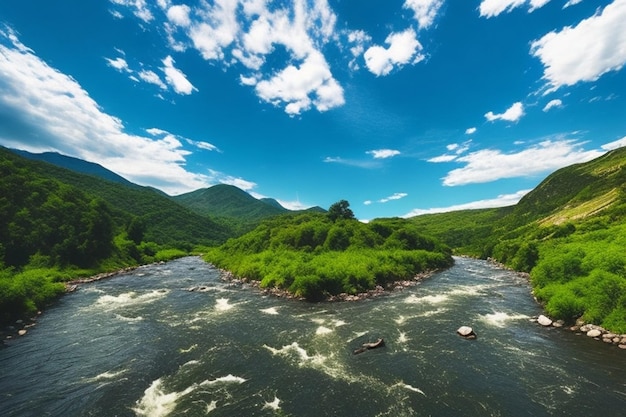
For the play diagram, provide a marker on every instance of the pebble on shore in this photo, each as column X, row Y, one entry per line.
column 590, row 330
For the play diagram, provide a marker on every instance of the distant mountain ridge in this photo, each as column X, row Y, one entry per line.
column 76, row 165
column 219, row 201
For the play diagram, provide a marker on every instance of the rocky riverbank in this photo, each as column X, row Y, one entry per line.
column 379, row 290
column 590, row 330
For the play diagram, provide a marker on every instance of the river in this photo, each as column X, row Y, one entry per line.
column 142, row 344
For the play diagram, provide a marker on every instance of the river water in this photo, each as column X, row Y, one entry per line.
column 142, row 344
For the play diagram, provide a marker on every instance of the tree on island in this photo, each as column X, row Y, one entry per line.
column 340, row 210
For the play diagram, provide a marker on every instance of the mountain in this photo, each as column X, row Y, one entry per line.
column 577, row 192
column 166, row 222
column 230, row 202
column 574, row 194
column 76, row 165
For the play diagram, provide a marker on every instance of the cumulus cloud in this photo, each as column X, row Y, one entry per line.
column 247, row 32
column 492, row 8
column 383, row 153
column 512, row 114
column 425, row 11
column 502, row 200
column 404, row 48
column 470, row 131
column 301, row 87
column 556, row 103
column 50, row 111
column 490, row 165
column 585, row 52
column 176, row 78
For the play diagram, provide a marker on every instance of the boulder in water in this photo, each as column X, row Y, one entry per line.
column 466, row 332
column 544, row 321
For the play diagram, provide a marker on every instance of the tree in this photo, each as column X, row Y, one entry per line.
column 340, row 210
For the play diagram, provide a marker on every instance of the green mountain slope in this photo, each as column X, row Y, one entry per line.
column 569, row 233
column 165, row 221
column 228, row 201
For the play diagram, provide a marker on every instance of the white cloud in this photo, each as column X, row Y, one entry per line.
column 152, row 78
column 571, row 3
column 395, row 196
column 470, row 131
column 425, row 11
column 491, row 8
column 614, row 145
column 512, row 114
column 221, row 178
column 358, row 39
column 502, row 200
column 141, row 8
column 301, row 87
column 491, row 165
column 585, row 52
column 383, row 153
column 176, row 79
column 403, row 49
column 119, row 64
column 556, row 103
column 179, row 15
column 50, row 111
column 458, row 149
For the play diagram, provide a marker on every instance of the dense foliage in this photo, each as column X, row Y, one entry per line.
column 52, row 231
column 314, row 255
column 568, row 233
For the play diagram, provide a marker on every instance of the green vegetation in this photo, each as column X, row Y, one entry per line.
column 52, row 231
column 314, row 255
column 568, row 233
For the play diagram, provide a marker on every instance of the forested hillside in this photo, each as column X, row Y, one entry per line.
column 568, row 233
column 315, row 255
column 56, row 224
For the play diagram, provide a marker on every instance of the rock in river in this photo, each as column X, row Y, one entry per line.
column 544, row 321
column 467, row 332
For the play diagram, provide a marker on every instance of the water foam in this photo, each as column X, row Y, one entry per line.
column 402, row 385
column 500, row 319
column 228, row 379
column 130, row 298
column 189, row 349
column 107, row 376
column 222, row 304
column 426, row 299
column 322, row 331
column 273, row 311
column 156, row 403
column 128, row 319
column 274, row 405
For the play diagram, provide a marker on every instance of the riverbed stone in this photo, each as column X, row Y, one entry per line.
column 21, row 332
column 594, row 333
column 466, row 332
column 544, row 321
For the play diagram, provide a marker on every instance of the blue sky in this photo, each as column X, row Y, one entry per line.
column 401, row 107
